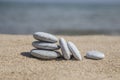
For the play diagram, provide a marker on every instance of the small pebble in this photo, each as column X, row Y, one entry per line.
column 95, row 55
column 64, row 48
column 44, row 45
column 74, row 51
column 42, row 36
column 45, row 54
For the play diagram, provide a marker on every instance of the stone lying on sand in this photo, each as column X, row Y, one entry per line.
column 45, row 54
column 64, row 48
column 95, row 55
column 75, row 52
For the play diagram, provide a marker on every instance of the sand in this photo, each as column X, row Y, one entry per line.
column 17, row 64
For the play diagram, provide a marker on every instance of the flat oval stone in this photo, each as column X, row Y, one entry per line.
column 45, row 54
column 74, row 51
column 95, row 55
column 64, row 48
column 44, row 45
column 42, row 36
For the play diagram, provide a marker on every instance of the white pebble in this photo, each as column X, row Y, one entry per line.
column 74, row 50
column 95, row 55
column 45, row 54
column 42, row 36
column 64, row 48
column 44, row 45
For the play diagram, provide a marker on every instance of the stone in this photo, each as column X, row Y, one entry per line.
column 95, row 55
column 64, row 48
column 74, row 51
column 44, row 54
column 42, row 36
column 44, row 45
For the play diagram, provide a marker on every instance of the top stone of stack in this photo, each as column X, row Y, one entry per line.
column 42, row 36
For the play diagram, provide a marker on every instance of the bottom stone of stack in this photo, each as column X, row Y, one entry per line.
column 45, row 54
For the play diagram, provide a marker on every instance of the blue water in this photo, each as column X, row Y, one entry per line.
column 27, row 18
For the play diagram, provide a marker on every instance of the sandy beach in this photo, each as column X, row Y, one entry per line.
column 16, row 63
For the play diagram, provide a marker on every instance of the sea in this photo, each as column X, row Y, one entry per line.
column 59, row 18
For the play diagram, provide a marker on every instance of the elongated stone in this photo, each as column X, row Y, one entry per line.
column 64, row 48
column 45, row 54
column 95, row 55
column 74, row 51
column 44, row 45
column 42, row 36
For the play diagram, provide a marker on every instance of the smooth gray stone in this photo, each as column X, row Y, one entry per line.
column 45, row 54
column 74, row 51
column 95, row 55
column 44, row 45
column 42, row 36
column 64, row 48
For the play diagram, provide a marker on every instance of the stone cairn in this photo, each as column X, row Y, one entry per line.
column 47, row 48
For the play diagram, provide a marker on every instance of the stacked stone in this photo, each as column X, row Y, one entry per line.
column 46, row 48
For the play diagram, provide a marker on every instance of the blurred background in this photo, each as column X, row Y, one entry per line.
column 68, row 17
